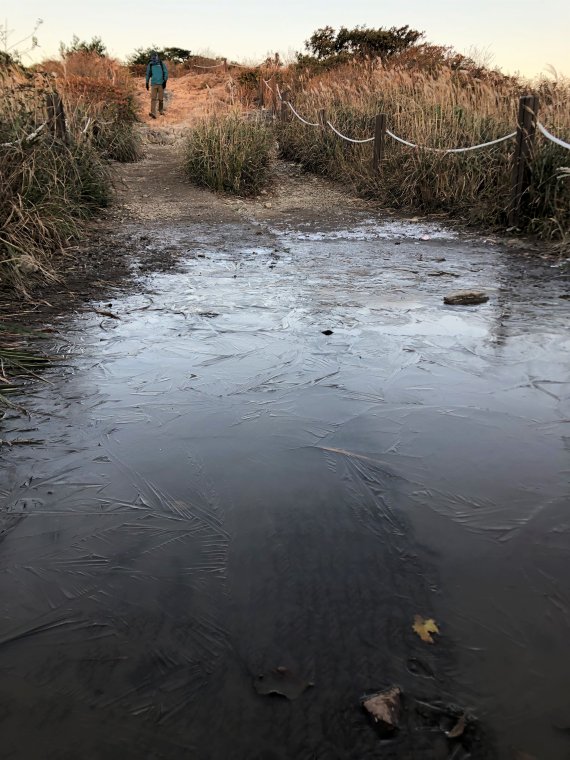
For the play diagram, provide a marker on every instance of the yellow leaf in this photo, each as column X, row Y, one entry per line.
column 424, row 628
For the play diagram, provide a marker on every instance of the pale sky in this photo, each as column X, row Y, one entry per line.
column 521, row 35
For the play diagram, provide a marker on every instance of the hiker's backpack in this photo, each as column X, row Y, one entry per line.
column 151, row 64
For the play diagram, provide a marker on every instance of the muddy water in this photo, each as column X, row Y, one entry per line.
column 221, row 490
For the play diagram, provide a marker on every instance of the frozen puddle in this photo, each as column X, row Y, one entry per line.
column 275, row 459
column 370, row 230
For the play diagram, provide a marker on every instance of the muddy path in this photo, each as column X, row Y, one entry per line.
column 274, row 450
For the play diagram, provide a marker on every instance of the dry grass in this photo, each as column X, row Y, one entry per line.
column 228, row 153
column 49, row 185
column 99, row 90
column 446, row 109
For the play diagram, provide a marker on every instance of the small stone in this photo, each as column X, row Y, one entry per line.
column 268, row 205
column 327, row 332
column 384, row 708
column 466, row 298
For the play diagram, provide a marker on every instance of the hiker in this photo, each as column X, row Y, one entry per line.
column 157, row 76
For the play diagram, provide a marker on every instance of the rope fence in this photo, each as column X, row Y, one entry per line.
column 527, row 125
column 308, row 123
column 214, row 66
column 542, row 129
column 450, row 150
column 349, row 139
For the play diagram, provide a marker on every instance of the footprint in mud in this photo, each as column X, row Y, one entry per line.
column 281, row 681
column 418, row 668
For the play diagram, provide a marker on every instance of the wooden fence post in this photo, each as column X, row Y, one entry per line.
column 284, row 107
column 50, row 109
column 379, row 140
column 56, row 116
column 261, row 93
column 225, row 65
column 526, row 128
column 274, row 96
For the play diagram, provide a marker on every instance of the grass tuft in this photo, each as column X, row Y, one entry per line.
column 228, row 153
column 49, row 185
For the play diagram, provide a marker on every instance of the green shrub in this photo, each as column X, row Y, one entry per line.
column 230, row 154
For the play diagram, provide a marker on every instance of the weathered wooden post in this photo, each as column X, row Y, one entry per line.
column 225, row 65
column 526, row 128
column 285, row 113
column 50, row 110
column 61, row 124
column 379, row 140
column 56, row 116
column 272, row 96
column 261, row 93
column 275, row 91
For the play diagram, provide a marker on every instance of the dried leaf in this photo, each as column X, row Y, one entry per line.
column 384, row 708
column 424, row 628
column 458, row 728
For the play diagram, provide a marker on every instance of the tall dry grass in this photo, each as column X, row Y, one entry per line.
column 228, row 153
column 444, row 109
column 49, row 185
column 99, row 90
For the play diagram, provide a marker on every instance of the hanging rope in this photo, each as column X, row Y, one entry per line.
column 308, row 123
column 215, row 66
column 349, row 139
column 270, row 88
column 553, row 139
column 451, row 150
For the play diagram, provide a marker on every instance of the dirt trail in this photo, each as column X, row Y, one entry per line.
column 292, row 195
column 187, row 98
column 154, row 198
column 154, row 192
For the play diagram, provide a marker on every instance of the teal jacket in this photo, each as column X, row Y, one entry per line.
column 156, row 73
